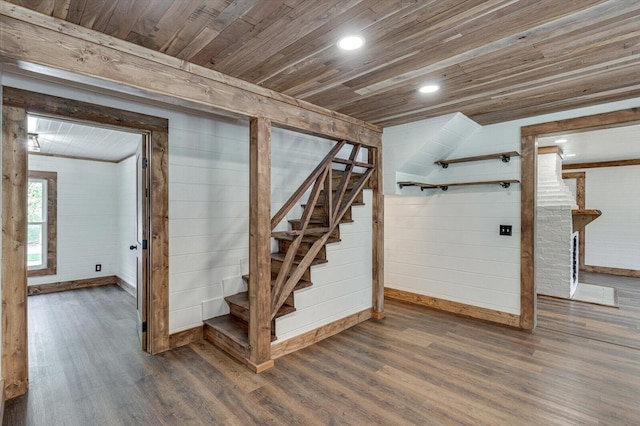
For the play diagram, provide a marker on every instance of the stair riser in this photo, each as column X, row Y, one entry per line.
column 228, row 345
column 239, row 312
column 242, row 313
column 335, row 234
column 277, row 264
column 337, row 177
column 283, row 247
column 319, row 213
column 359, row 197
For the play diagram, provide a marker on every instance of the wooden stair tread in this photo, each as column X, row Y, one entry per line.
column 319, row 221
column 242, row 300
column 280, row 257
column 301, row 284
column 307, row 239
column 231, row 327
column 322, row 204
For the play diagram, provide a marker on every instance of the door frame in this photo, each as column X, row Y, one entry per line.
column 528, row 185
column 14, row 170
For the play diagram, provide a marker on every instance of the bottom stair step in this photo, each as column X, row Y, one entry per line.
column 229, row 334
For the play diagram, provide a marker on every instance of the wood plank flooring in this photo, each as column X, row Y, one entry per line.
column 416, row 366
column 618, row 326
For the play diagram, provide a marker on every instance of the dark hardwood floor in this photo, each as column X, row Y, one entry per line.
column 618, row 326
column 416, row 366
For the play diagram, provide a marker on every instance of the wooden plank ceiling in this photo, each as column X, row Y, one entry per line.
column 495, row 60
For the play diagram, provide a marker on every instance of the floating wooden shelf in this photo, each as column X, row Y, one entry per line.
column 582, row 218
column 505, row 183
column 504, row 156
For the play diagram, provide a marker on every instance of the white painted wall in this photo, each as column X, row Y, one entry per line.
column 447, row 244
column 208, row 216
column 126, row 227
column 416, row 146
column 87, row 217
column 613, row 240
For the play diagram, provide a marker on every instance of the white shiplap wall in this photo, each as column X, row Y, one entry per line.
column 208, row 216
column 87, row 217
column 613, row 240
column 447, row 244
column 127, row 222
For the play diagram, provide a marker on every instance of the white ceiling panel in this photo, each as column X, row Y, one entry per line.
column 65, row 138
column 619, row 143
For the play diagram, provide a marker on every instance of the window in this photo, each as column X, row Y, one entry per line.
column 41, row 227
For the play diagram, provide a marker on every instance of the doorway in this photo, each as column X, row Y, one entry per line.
column 530, row 138
column 17, row 104
column 97, row 188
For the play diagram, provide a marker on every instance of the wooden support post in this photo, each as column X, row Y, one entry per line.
column 377, row 244
column 15, row 366
column 528, row 190
column 260, row 244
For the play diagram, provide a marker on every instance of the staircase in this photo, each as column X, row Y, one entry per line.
column 333, row 194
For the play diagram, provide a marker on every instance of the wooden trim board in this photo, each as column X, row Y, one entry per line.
column 377, row 248
column 529, row 136
column 633, row 273
column 185, row 337
column 528, row 195
column 596, row 164
column 15, row 364
column 14, row 285
column 56, row 287
column 279, row 349
column 2, row 401
column 550, row 150
column 457, row 308
column 260, row 244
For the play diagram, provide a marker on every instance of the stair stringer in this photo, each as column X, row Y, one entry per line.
column 342, row 286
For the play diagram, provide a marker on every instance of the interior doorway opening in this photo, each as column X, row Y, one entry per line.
column 590, row 320
column 87, row 209
column 17, row 104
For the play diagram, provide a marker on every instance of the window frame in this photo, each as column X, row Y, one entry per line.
column 51, row 179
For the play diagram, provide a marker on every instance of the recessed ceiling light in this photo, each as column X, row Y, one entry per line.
column 429, row 88
column 569, row 155
column 560, row 141
column 351, row 42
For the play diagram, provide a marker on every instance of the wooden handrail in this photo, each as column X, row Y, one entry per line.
column 277, row 218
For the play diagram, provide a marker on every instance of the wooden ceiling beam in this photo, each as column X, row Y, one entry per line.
column 29, row 37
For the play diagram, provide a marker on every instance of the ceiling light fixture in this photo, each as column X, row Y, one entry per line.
column 569, row 155
column 352, row 42
column 429, row 88
column 33, row 143
column 560, row 141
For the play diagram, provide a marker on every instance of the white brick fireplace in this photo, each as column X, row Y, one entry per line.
column 556, row 243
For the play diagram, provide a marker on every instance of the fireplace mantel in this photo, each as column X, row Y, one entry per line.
column 583, row 217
